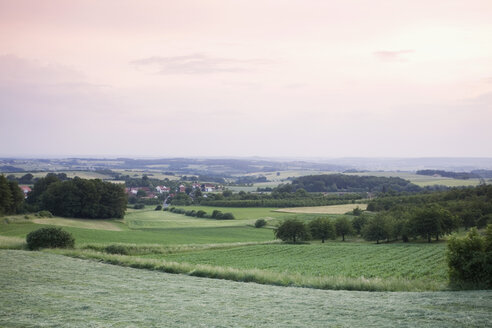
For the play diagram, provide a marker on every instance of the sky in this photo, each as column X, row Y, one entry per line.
column 271, row 78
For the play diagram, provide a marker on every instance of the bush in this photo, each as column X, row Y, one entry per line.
column 260, row 223
column 49, row 238
column 470, row 259
column 138, row 206
column 166, row 209
column 158, row 207
column 216, row 214
column 44, row 214
column 201, row 214
column 227, row 216
column 116, row 249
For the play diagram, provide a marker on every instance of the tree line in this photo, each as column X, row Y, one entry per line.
column 472, row 205
column 353, row 183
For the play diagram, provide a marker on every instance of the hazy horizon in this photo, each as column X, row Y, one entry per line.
column 272, row 79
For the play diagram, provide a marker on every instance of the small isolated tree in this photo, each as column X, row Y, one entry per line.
column 322, row 228
column 343, row 227
column 260, row 223
column 49, row 238
column 470, row 259
column 292, row 230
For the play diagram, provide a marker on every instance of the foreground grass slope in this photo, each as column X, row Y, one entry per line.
column 40, row 289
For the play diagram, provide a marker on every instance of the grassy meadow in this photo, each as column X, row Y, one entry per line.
column 75, row 293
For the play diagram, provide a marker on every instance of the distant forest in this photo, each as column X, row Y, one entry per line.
column 352, row 183
column 475, row 174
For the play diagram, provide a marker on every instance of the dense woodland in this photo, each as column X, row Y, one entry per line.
column 79, row 198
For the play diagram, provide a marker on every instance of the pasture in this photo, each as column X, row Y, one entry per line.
column 41, row 289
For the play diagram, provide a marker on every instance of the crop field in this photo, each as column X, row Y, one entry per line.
column 332, row 209
column 40, row 289
column 70, row 174
column 408, row 261
column 423, row 180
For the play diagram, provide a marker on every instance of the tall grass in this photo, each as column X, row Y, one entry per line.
column 12, row 243
column 258, row 276
column 146, row 249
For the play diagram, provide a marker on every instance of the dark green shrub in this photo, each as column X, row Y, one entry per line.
column 226, row 216
column 260, row 223
column 470, row 259
column 200, row 214
column 44, row 214
column 49, row 238
column 158, row 207
column 172, row 209
column 138, row 206
column 117, row 249
column 216, row 214
column 166, row 209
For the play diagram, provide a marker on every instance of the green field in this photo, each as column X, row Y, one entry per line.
column 45, row 290
column 408, row 261
column 179, row 243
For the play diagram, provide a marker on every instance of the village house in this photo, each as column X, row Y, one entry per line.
column 25, row 190
column 162, row 189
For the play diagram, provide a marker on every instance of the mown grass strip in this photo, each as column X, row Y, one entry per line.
column 257, row 275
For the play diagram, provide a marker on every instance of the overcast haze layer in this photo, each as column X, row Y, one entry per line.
column 246, row 78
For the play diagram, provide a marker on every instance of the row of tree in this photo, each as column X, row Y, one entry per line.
column 294, row 230
column 427, row 223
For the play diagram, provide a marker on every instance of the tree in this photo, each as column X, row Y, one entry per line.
column 378, row 228
column 5, row 196
column 433, row 220
column 292, row 230
column 343, row 227
column 358, row 223
column 356, row 211
column 34, row 196
column 322, row 228
column 17, row 197
column 141, row 193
